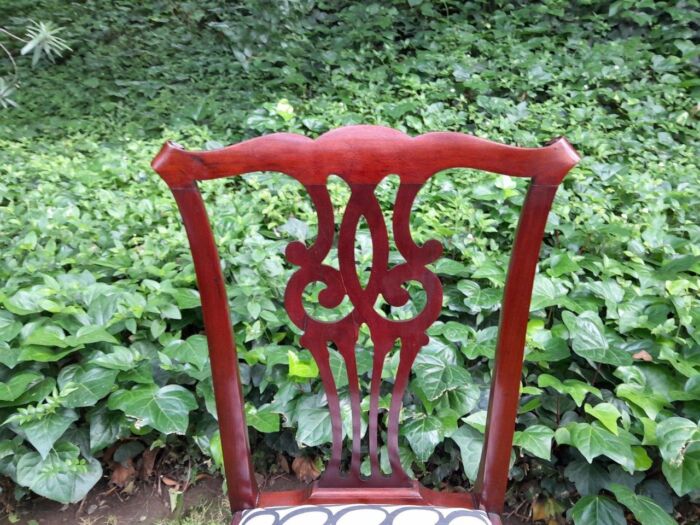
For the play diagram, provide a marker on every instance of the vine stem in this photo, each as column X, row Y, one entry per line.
column 3, row 30
column 12, row 61
column 9, row 55
column 517, row 509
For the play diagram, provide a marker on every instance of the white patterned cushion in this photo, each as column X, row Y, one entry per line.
column 364, row 515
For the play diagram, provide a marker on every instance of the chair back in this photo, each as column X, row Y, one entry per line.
column 362, row 156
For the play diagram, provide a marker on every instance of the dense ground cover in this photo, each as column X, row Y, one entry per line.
column 100, row 333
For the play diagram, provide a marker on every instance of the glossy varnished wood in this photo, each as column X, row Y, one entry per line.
column 363, row 156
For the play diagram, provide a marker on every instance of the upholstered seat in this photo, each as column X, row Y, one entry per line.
column 360, row 514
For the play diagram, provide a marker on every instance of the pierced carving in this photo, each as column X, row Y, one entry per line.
column 343, row 333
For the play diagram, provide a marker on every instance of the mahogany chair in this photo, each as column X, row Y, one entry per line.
column 363, row 156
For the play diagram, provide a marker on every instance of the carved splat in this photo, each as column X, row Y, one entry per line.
column 363, row 156
column 343, row 333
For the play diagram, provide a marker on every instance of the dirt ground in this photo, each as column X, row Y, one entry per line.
column 147, row 505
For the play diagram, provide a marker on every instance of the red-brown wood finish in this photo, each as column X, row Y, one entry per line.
column 363, row 156
column 228, row 392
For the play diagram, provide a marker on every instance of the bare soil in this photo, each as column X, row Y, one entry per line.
column 105, row 506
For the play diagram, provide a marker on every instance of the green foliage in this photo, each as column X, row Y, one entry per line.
column 165, row 409
column 597, row 510
column 101, row 336
column 62, row 475
column 644, row 509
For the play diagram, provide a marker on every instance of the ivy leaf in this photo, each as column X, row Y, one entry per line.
column 254, row 309
column 18, row 383
column 106, row 428
column 9, row 356
column 606, row 413
column 42, row 433
column 546, row 292
column 301, row 368
column 629, row 480
column 424, row 433
column 576, row 389
column 166, row 409
column 47, row 335
column 449, row 267
column 682, row 365
column 91, row 383
column 9, row 328
column 461, row 401
column 484, row 344
column 457, row 332
column 592, row 440
column 91, row 334
column 674, row 435
column 670, row 269
column 120, row 358
column 536, row 439
column 651, row 402
column 24, row 302
column 597, row 510
column 649, row 434
column 588, row 339
column 186, row 298
column 127, row 451
column 435, row 377
column 43, row 354
column 7, row 448
column 642, row 461
column 406, row 457
column 589, row 478
column 102, row 308
column 563, row 264
column 683, row 478
column 33, row 394
column 470, row 442
column 338, row 369
column 477, row 299
column 157, row 328
column 60, row 475
column 477, row 420
column 679, row 445
column 490, row 270
column 216, row 450
column 644, row 509
column 608, row 290
column 193, row 350
column 262, row 419
column 314, row 426
column 346, row 416
column 205, row 389
column 169, row 311
column 543, row 345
